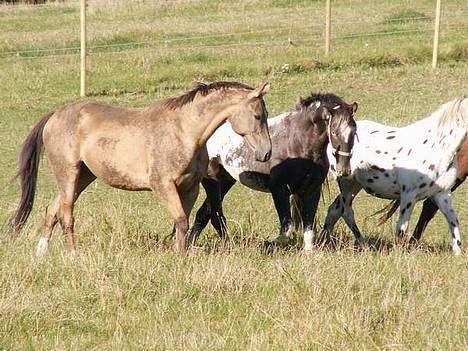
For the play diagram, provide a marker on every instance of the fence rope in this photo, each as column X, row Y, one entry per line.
column 285, row 41
column 19, row 53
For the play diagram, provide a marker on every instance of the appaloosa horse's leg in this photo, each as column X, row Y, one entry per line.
column 428, row 212
column 407, row 202
column 342, row 206
column 61, row 208
column 309, row 206
column 444, row 202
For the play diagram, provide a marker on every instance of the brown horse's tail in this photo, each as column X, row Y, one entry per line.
column 28, row 166
column 387, row 211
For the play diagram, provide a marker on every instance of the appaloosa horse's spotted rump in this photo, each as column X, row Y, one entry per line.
column 418, row 162
column 429, row 207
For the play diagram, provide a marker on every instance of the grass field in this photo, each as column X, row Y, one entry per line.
column 126, row 290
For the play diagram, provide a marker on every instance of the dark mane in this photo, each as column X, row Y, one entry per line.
column 203, row 89
column 329, row 99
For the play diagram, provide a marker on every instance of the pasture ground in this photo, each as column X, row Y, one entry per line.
column 126, row 290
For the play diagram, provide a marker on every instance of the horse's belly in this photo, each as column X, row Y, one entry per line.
column 117, row 165
column 119, row 176
column 380, row 183
column 256, row 181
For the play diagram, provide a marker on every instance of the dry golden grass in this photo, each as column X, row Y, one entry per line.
column 126, row 289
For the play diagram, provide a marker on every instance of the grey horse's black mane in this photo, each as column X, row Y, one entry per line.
column 328, row 99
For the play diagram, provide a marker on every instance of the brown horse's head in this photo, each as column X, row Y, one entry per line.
column 341, row 132
column 249, row 119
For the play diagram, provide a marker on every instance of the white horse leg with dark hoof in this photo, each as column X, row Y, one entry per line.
column 444, row 202
column 348, row 214
column 342, row 207
column 407, row 202
column 350, row 221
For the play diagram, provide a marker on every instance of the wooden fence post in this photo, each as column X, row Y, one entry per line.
column 435, row 48
column 83, row 49
column 327, row 26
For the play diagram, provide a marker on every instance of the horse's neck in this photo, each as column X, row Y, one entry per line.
column 310, row 138
column 277, row 125
column 208, row 113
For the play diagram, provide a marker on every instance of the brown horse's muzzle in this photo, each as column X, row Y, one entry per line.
column 260, row 143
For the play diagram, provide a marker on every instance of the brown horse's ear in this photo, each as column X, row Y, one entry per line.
column 259, row 92
column 326, row 115
column 354, row 107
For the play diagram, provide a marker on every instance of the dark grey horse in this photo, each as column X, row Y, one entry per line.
column 298, row 165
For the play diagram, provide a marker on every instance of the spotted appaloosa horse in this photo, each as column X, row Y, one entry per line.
column 298, row 165
column 161, row 149
column 429, row 207
column 409, row 164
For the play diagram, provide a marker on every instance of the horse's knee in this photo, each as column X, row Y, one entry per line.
column 182, row 225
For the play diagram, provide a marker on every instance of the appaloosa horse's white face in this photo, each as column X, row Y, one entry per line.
column 408, row 164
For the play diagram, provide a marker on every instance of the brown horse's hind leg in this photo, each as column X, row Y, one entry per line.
column 85, row 177
column 49, row 224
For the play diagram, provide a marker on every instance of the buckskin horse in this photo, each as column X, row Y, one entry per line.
column 407, row 164
column 298, row 165
column 161, row 148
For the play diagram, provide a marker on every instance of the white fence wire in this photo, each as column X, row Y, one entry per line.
column 101, row 49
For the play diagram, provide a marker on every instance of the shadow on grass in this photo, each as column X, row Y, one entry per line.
column 340, row 243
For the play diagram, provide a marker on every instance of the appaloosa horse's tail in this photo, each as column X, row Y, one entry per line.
column 28, row 166
column 387, row 211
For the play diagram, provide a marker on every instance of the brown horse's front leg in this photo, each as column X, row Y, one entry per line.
column 181, row 233
column 169, row 195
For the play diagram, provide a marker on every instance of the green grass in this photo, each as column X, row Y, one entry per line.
column 405, row 15
column 126, row 290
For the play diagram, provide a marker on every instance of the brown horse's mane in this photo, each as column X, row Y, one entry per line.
column 202, row 89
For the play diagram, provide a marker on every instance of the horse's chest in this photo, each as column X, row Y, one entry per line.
column 195, row 171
